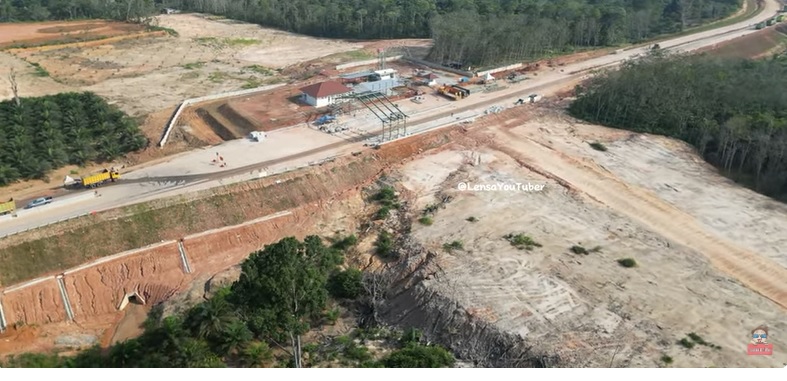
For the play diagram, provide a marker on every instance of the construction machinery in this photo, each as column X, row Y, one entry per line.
column 7, row 207
column 454, row 92
column 93, row 181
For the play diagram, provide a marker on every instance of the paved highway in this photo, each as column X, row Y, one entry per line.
column 155, row 182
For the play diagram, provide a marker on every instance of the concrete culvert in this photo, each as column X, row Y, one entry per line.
column 132, row 297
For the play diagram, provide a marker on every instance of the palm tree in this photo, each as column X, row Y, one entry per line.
column 235, row 336
column 210, row 318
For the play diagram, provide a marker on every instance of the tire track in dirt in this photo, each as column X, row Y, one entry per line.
column 758, row 273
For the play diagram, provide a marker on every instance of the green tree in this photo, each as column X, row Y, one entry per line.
column 285, row 282
column 347, row 284
column 419, row 356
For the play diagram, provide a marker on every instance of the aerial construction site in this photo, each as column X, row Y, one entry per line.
column 513, row 230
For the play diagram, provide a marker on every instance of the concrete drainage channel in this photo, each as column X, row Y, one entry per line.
column 61, row 284
column 3, row 323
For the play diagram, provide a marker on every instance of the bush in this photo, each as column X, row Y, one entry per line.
column 627, row 262
column 521, row 241
column 455, row 245
column 598, row 146
column 579, row 250
column 419, row 356
column 383, row 246
column 666, row 359
column 686, row 343
column 386, row 196
column 426, row 220
column 347, row 284
column 383, row 213
column 345, row 243
column 471, row 219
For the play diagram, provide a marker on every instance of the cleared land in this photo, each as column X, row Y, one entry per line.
column 647, row 198
column 21, row 35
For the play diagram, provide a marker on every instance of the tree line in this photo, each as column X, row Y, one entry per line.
column 43, row 10
column 733, row 111
column 473, row 32
column 40, row 134
column 260, row 320
column 477, row 32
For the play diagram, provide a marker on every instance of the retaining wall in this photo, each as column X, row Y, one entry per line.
column 367, row 62
column 223, row 247
column 188, row 102
column 439, row 67
column 35, row 302
column 96, row 289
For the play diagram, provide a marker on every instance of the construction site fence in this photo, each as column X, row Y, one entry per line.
column 188, row 102
column 439, row 67
column 366, row 62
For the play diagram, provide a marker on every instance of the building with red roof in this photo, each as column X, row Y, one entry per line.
column 324, row 93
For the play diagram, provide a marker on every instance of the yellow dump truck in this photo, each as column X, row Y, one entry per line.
column 7, row 207
column 93, row 181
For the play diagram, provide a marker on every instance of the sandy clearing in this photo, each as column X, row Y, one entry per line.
column 757, row 272
column 274, row 48
column 586, row 308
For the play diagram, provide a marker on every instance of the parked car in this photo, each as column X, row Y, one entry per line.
column 38, row 202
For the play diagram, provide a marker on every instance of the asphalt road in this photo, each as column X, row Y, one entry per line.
column 145, row 188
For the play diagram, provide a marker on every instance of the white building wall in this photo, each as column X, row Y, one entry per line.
column 320, row 102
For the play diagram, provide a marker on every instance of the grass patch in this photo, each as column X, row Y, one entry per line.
column 251, row 83
column 451, row 246
column 193, row 65
column 386, row 197
column 627, row 262
column 218, row 77
column 426, row 220
column 233, row 42
column 355, row 55
column 39, row 70
column 260, row 70
column 598, row 146
column 170, row 31
column 521, row 241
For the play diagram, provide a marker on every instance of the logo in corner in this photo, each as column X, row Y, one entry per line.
column 758, row 345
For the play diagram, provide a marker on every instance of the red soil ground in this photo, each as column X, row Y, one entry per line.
column 33, row 34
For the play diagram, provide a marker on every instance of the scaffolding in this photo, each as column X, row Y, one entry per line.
column 394, row 120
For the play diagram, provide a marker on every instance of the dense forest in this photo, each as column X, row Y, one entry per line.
column 475, row 32
column 40, row 134
column 284, row 290
column 733, row 111
column 42, row 10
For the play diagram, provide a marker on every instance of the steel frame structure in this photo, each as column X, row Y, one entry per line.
column 394, row 120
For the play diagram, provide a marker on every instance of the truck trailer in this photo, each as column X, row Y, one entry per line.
column 454, row 92
column 7, row 207
column 92, row 181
